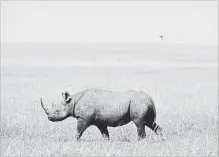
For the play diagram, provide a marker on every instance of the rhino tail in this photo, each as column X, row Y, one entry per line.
column 155, row 127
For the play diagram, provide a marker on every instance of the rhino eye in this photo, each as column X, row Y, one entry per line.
column 68, row 101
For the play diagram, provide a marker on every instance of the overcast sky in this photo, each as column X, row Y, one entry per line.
column 69, row 21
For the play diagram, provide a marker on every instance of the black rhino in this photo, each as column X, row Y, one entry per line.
column 104, row 108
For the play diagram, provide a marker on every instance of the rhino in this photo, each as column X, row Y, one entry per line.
column 104, row 108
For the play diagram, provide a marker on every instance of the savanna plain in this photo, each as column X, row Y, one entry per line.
column 182, row 80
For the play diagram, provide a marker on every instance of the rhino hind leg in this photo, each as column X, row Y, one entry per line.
column 104, row 131
column 140, row 130
column 82, row 125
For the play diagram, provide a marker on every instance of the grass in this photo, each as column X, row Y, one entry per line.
column 186, row 100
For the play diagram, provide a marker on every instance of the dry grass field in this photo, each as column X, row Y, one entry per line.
column 182, row 80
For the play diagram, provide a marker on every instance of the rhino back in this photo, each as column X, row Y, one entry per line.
column 103, row 102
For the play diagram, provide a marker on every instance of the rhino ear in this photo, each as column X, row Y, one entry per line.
column 66, row 96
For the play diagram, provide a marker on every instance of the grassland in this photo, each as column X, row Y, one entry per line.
column 183, row 82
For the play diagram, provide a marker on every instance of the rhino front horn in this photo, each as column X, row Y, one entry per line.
column 44, row 107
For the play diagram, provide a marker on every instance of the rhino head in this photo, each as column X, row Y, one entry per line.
column 61, row 111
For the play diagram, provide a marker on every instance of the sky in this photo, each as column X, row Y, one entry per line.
column 193, row 22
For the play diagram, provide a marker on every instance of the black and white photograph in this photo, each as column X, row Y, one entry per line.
column 109, row 78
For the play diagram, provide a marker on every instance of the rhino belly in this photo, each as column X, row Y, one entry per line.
column 113, row 117
column 113, row 121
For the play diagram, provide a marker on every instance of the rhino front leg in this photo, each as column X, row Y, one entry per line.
column 82, row 125
column 104, row 131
